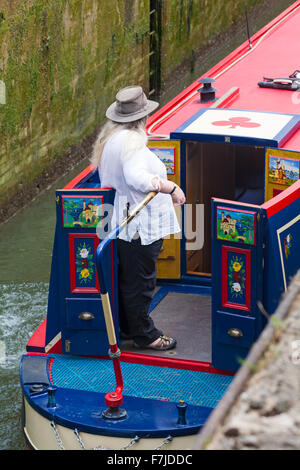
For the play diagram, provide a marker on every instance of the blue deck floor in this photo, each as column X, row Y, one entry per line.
column 143, row 381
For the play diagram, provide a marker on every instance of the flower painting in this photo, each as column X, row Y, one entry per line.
column 236, row 283
column 85, row 265
column 237, row 276
column 287, row 243
column 83, row 275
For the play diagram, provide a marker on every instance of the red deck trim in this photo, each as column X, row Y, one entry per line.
column 172, row 363
column 282, row 200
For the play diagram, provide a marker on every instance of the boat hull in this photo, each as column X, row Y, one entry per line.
column 40, row 435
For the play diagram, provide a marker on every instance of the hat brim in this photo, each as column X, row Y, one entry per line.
column 112, row 114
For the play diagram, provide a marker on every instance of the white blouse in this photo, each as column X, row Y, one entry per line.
column 130, row 173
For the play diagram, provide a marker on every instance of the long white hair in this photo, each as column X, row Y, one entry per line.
column 137, row 137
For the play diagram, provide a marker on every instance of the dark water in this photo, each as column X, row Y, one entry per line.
column 26, row 250
column 26, row 247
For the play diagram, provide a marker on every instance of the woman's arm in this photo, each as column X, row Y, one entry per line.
column 168, row 187
column 138, row 177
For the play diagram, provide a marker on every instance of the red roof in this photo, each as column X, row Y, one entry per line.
column 275, row 53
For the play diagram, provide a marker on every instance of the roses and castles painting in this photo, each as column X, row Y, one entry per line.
column 236, row 226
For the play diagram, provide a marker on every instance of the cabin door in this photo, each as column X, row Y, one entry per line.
column 237, row 278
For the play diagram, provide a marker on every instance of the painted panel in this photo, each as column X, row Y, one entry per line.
column 236, row 278
column 236, row 226
column 167, row 156
column 282, row 169
column 168, row 263
column 82, row 211
column 83, row 275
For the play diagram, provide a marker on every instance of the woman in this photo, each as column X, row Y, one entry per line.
column 127, row 165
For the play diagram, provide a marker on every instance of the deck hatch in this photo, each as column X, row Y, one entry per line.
column 239, row 126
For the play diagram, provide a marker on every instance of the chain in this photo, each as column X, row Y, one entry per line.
column 79, row 439
column 131, row 443
column 164, row 442
column 100, row 447
column 59, row 441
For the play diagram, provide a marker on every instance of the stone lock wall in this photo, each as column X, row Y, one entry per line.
column 189, row 25
column 62, row 61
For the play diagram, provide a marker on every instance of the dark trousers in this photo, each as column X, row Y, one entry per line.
column 137, row 281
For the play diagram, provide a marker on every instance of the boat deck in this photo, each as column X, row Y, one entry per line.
column 192, row 329
column 142, row 381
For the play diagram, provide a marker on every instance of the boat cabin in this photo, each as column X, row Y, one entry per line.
column 232, row 261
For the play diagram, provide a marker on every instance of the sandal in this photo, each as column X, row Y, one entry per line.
column 164, row 344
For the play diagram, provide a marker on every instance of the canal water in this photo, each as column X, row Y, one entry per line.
column 26, row 248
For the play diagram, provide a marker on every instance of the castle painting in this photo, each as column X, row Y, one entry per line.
column 236, row 226
column 82, row 212
column 283, row 171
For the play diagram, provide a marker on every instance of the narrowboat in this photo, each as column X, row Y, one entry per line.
column 231, row 140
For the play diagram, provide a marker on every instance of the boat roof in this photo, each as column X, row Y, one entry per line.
column 274, row 54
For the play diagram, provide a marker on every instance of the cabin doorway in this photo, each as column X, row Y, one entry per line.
column 225, row 171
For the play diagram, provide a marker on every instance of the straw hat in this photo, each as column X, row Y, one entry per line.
column 131, row 104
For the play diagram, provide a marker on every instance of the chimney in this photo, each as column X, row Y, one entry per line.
column 207, row 92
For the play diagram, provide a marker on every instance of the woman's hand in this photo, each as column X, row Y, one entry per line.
column 178, row 196
column 167, row 187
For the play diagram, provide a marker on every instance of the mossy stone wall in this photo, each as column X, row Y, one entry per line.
column 62, row 62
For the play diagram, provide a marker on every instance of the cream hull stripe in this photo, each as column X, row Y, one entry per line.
column 53, row 342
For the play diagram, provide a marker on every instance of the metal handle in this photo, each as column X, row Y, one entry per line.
column 235, row 333
column 86, row 316
column 114, row 400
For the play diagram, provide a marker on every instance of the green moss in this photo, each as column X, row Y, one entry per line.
column 190, row 24
column 65, row 59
